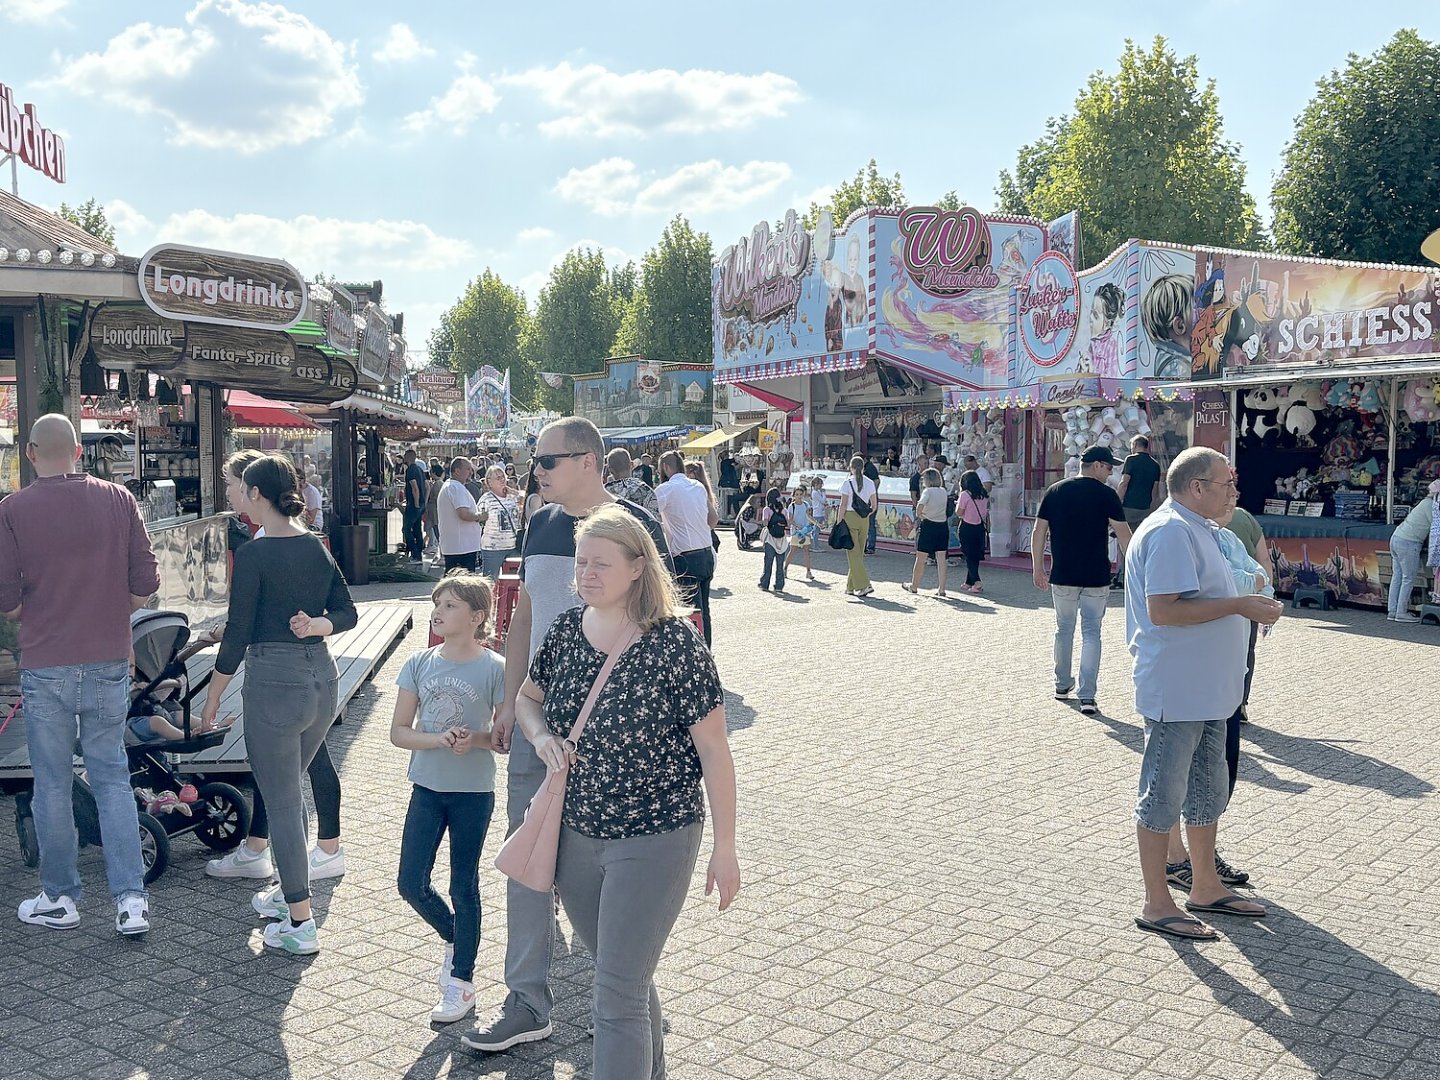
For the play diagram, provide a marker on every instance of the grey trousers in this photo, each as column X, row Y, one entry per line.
column 623, row 897
column 289, row 695
column 529, row 915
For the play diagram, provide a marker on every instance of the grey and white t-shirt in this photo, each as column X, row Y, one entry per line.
column 454, row 695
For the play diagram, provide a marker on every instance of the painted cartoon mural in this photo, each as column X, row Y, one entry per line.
column 646, row 393
column 944, row 279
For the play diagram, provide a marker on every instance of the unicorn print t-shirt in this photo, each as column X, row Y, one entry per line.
column 454, row 695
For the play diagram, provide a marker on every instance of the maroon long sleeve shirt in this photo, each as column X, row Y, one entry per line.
column 73, row 550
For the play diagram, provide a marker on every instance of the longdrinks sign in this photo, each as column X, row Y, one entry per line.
column 32, row 142
column 200, row 285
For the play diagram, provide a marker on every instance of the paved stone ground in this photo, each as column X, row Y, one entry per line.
column 939, row 868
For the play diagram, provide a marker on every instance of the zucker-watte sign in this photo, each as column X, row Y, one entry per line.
column 204, row 286
column 131, row 338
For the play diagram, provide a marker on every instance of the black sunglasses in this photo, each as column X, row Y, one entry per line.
column 547, row 461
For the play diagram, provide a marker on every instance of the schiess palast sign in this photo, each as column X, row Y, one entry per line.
column 200, row 285
column 29, row 140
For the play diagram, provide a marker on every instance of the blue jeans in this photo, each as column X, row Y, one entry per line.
column 493, row 562
column 466, row 815
column 1183, row 770
column 99, row 696
column 1089, row 604
column 413, row 531
column 774, row 560
column 1404, row 571
column 870, row 534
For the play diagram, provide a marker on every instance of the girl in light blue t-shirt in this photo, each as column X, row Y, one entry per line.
column 447, row 697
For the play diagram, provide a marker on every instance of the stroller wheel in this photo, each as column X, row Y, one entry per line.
column 154, row 847
column 224, row 816
column 25, row 830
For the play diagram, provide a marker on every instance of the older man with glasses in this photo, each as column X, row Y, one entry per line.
column 1187, row 629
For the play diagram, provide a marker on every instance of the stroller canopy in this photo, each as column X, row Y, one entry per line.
column 158, row 637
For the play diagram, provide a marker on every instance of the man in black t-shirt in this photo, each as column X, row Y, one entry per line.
column 1137, row 491
column 921, row 464
column 1076, row 516
column 417, row 480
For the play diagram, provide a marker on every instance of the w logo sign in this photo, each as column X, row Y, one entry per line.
column 947, row 252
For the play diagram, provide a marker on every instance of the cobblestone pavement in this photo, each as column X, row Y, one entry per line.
column 940, row 880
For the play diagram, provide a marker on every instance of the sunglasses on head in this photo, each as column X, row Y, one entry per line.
column 547, row 461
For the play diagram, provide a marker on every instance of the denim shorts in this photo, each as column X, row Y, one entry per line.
column 1182, row 773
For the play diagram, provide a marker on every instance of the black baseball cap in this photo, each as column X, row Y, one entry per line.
column 1098, row 453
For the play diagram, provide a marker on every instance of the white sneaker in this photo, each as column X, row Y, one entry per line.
column 324, row 865
column 1405, row 616
column 271, row 903
column 132, row 916
column 242, row 863
column 442, row 977
column 302, row 940
column 58, row 914
column 456, row 1002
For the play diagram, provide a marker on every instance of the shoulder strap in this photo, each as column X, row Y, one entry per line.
column 600, row 680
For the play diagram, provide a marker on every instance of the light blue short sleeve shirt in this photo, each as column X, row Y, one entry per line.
column 1182, row 672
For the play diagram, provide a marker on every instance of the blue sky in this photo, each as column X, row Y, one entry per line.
column 486, row 134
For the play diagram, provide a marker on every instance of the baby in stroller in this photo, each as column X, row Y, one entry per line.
column 157, row 713
column 747, row 524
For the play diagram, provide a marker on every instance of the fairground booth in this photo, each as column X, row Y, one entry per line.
column 647, row 406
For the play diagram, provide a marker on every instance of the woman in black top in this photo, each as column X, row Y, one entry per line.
column 653, row 748
column 286, row 596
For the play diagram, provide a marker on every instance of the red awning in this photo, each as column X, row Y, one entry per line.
column 769, row 397
column 252, row 410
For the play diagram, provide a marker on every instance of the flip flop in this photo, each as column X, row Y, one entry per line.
column 1226, row 906
column 1166, row 926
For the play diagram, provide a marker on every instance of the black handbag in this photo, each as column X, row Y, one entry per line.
column 840, row 538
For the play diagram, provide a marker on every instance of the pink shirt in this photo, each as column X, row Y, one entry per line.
column 73, row 550
column 972, row 511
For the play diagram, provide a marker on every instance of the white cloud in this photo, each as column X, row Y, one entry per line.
column 32, row 11
column 468, row 98
column 593, row 100
column 401, row 47
column 310, row 243
column 236, row 76
column 615, row 186
column 530, row 236
column 605, row 187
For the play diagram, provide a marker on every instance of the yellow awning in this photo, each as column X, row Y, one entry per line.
column 719, row 437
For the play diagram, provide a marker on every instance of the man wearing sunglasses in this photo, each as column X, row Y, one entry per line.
column 569, row 464
column 1188, row 629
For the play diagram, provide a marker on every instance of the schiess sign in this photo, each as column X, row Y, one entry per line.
column 24, row 136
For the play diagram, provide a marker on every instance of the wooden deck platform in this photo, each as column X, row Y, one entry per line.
column 358, row 654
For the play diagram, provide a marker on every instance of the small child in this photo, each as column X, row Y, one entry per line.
column 454, row 688
column 803, row 529
column 818, row 509
column 776, row 534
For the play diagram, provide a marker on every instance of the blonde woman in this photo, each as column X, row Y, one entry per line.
column 634, row 806
column 932, row 540
column 858, row 503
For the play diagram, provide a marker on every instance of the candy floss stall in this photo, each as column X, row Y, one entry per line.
column 866, row 327
column 1322, row 379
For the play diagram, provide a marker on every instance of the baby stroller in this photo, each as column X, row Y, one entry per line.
column 168, row 804
column 747, row 528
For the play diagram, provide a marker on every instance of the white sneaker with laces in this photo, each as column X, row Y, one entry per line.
column 242, row 863
column 271, row 903
column 447, row 965
column 58, row 914
column 324, row 865
column 301, row 940
column 132, row 916
column 456, row 1002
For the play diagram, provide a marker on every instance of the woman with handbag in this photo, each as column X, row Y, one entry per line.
column 933, row 537
column 858, row 499
column 624, row 695
column 972, row 507
column 498, row 517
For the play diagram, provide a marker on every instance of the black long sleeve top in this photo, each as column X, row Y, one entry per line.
column 274, row 578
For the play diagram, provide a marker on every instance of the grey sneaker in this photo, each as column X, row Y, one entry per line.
column 512, row 1025
column 242, row 863
column 1062, row 695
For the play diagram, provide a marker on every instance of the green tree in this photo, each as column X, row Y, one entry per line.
column 668, row 317
column 1142, row 155
column 866, row 188
column 575, row 321
column 486, row 326
column 90, row 216
column 1361, row 177
column 950, row 200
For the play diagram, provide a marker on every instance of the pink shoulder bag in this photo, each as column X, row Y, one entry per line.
column 528, row 854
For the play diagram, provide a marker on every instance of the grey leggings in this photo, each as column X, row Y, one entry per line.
column 289, row 696
column 623, row 897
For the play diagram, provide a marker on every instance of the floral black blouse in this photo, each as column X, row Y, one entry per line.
column 640, row 774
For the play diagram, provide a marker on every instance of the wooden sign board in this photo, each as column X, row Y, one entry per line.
column 222, row 288
column 129, row 337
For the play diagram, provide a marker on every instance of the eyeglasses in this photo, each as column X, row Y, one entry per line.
column 1226, row 483
column 547, row 461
